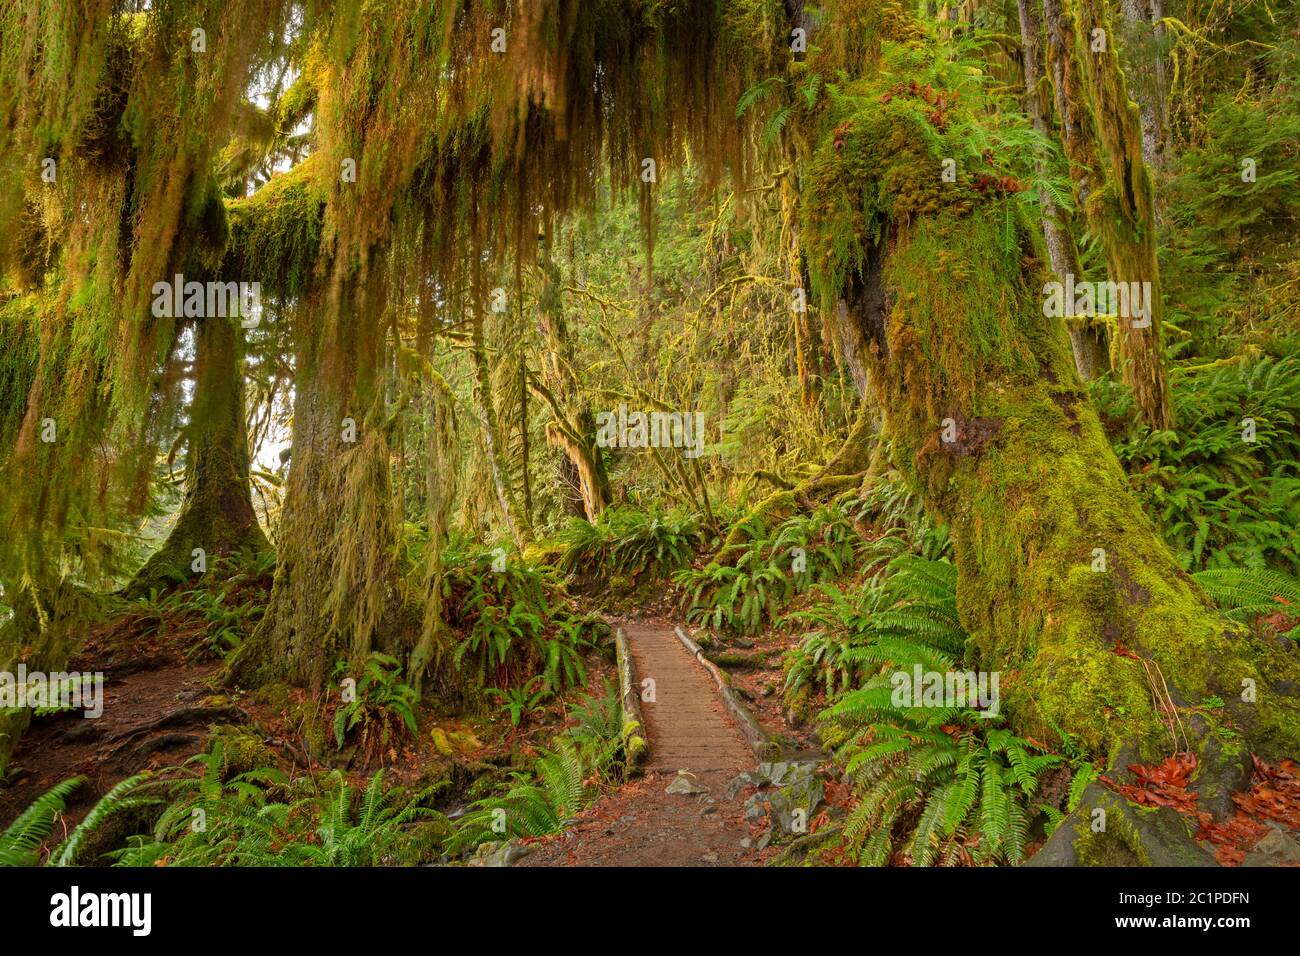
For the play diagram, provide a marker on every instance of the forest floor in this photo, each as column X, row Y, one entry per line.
column 702, row 799
column 163, row 703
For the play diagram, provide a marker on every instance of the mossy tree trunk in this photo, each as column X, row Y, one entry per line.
column 573, row 426
column 1102, row 134
column 512, row 513
column 1063, row 582
column 338, row 592
column 1087, row 339
column 217, row 513
column 1144, row 40
column 1059, row 569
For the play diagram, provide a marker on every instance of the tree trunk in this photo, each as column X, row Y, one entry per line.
column 217, row 514
column 337, row 593
column 485, row 405
column 1064, row 584
column 1060, row 573
column 573, row 429
column 1103, row 141
column 1144, row 35
column 1088, row 343
column 1091, row 355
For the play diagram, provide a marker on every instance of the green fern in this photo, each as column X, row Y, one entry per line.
column 20, row 843
column 936, row 785
column 1244, row 594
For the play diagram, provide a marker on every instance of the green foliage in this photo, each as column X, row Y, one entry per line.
column 521, row 703
column 518, row 622
column 736, row 597
column 907, row 613
column 230, row 607
column 1220, row 499
column 938, row 784
column 598, row 732
column 1227, row 249
column 957, row 796
column 628, row 542
column 890, row 505
column 1244, row 594
column 743, row 597
column 529, row 808
column 234, row 822
column 383, row 707
column 21, row 842
column 839, row 618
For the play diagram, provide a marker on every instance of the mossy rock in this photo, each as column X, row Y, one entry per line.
column 242, row 751
column 1132, row 836
column 421, row 844
column 741, row 660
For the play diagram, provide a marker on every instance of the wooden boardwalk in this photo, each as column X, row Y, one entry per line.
column 687, row 724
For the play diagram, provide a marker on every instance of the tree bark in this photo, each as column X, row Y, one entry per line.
column 1061, row 576
column 337, row 593
column 1102, row 135
column 1088, row 342
column 573, row 428
column 1145, row 34
column 1064, row 584
column 217, row 514
column 485, row 405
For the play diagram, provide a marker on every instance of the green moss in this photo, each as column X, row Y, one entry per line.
column 420, row 844
column 988, row 420
column 242, row 751
column 1118, row 845
column 275, row 234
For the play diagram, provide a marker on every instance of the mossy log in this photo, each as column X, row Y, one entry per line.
column 632, row 728
column 842, row 473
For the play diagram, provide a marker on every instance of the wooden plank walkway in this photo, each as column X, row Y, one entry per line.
column 687, row 724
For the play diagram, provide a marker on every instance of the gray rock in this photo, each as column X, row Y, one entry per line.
column 684, row 784
column 1276, row 849
column 1220, row 773
column 742, row 780
column 710, row 857
column 498, row 853
column 783, row 772
column 1133, row 836
column 805, row 794
column 746, row 843
column 765, row 839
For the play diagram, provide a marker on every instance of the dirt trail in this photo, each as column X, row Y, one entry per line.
column 689, row 728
